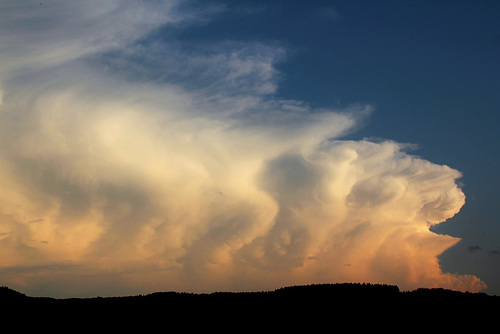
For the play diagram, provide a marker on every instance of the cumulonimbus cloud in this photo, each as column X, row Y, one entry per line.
column 135, row 167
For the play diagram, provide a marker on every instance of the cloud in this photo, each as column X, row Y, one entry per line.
column 329, row 13
column 472, row 249
column 131, row 163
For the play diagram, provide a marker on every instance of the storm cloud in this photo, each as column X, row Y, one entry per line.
column 131, row 163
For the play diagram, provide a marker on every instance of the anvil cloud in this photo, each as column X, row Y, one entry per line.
column 131, row 163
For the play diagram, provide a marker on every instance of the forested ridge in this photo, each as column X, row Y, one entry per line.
column 313, row 292
column 305, row 308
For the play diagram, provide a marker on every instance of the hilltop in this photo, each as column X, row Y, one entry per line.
column 305, row 308
column 345, row 292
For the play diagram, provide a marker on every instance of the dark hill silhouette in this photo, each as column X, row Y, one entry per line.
column 300, row 293
column 307, row 307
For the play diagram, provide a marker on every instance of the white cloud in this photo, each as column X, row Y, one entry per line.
column 194, row 177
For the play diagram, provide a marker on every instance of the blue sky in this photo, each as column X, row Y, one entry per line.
column 430, row 69
column 248, row 145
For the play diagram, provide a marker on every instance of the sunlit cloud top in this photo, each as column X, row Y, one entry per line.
column 131, row 162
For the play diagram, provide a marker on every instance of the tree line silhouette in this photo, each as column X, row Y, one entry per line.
column 305, row 308
column 297, row 293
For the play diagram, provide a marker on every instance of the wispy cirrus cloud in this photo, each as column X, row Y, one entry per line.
column 329, row 13
column 136, row 163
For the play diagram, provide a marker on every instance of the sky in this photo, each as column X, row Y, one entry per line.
column 248, row 145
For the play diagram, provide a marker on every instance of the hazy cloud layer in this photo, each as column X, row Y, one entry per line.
column 130, row 163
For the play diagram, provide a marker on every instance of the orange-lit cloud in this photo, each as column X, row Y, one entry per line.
column 113, row 183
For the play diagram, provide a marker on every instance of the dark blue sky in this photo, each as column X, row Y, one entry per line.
column 430, row 69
